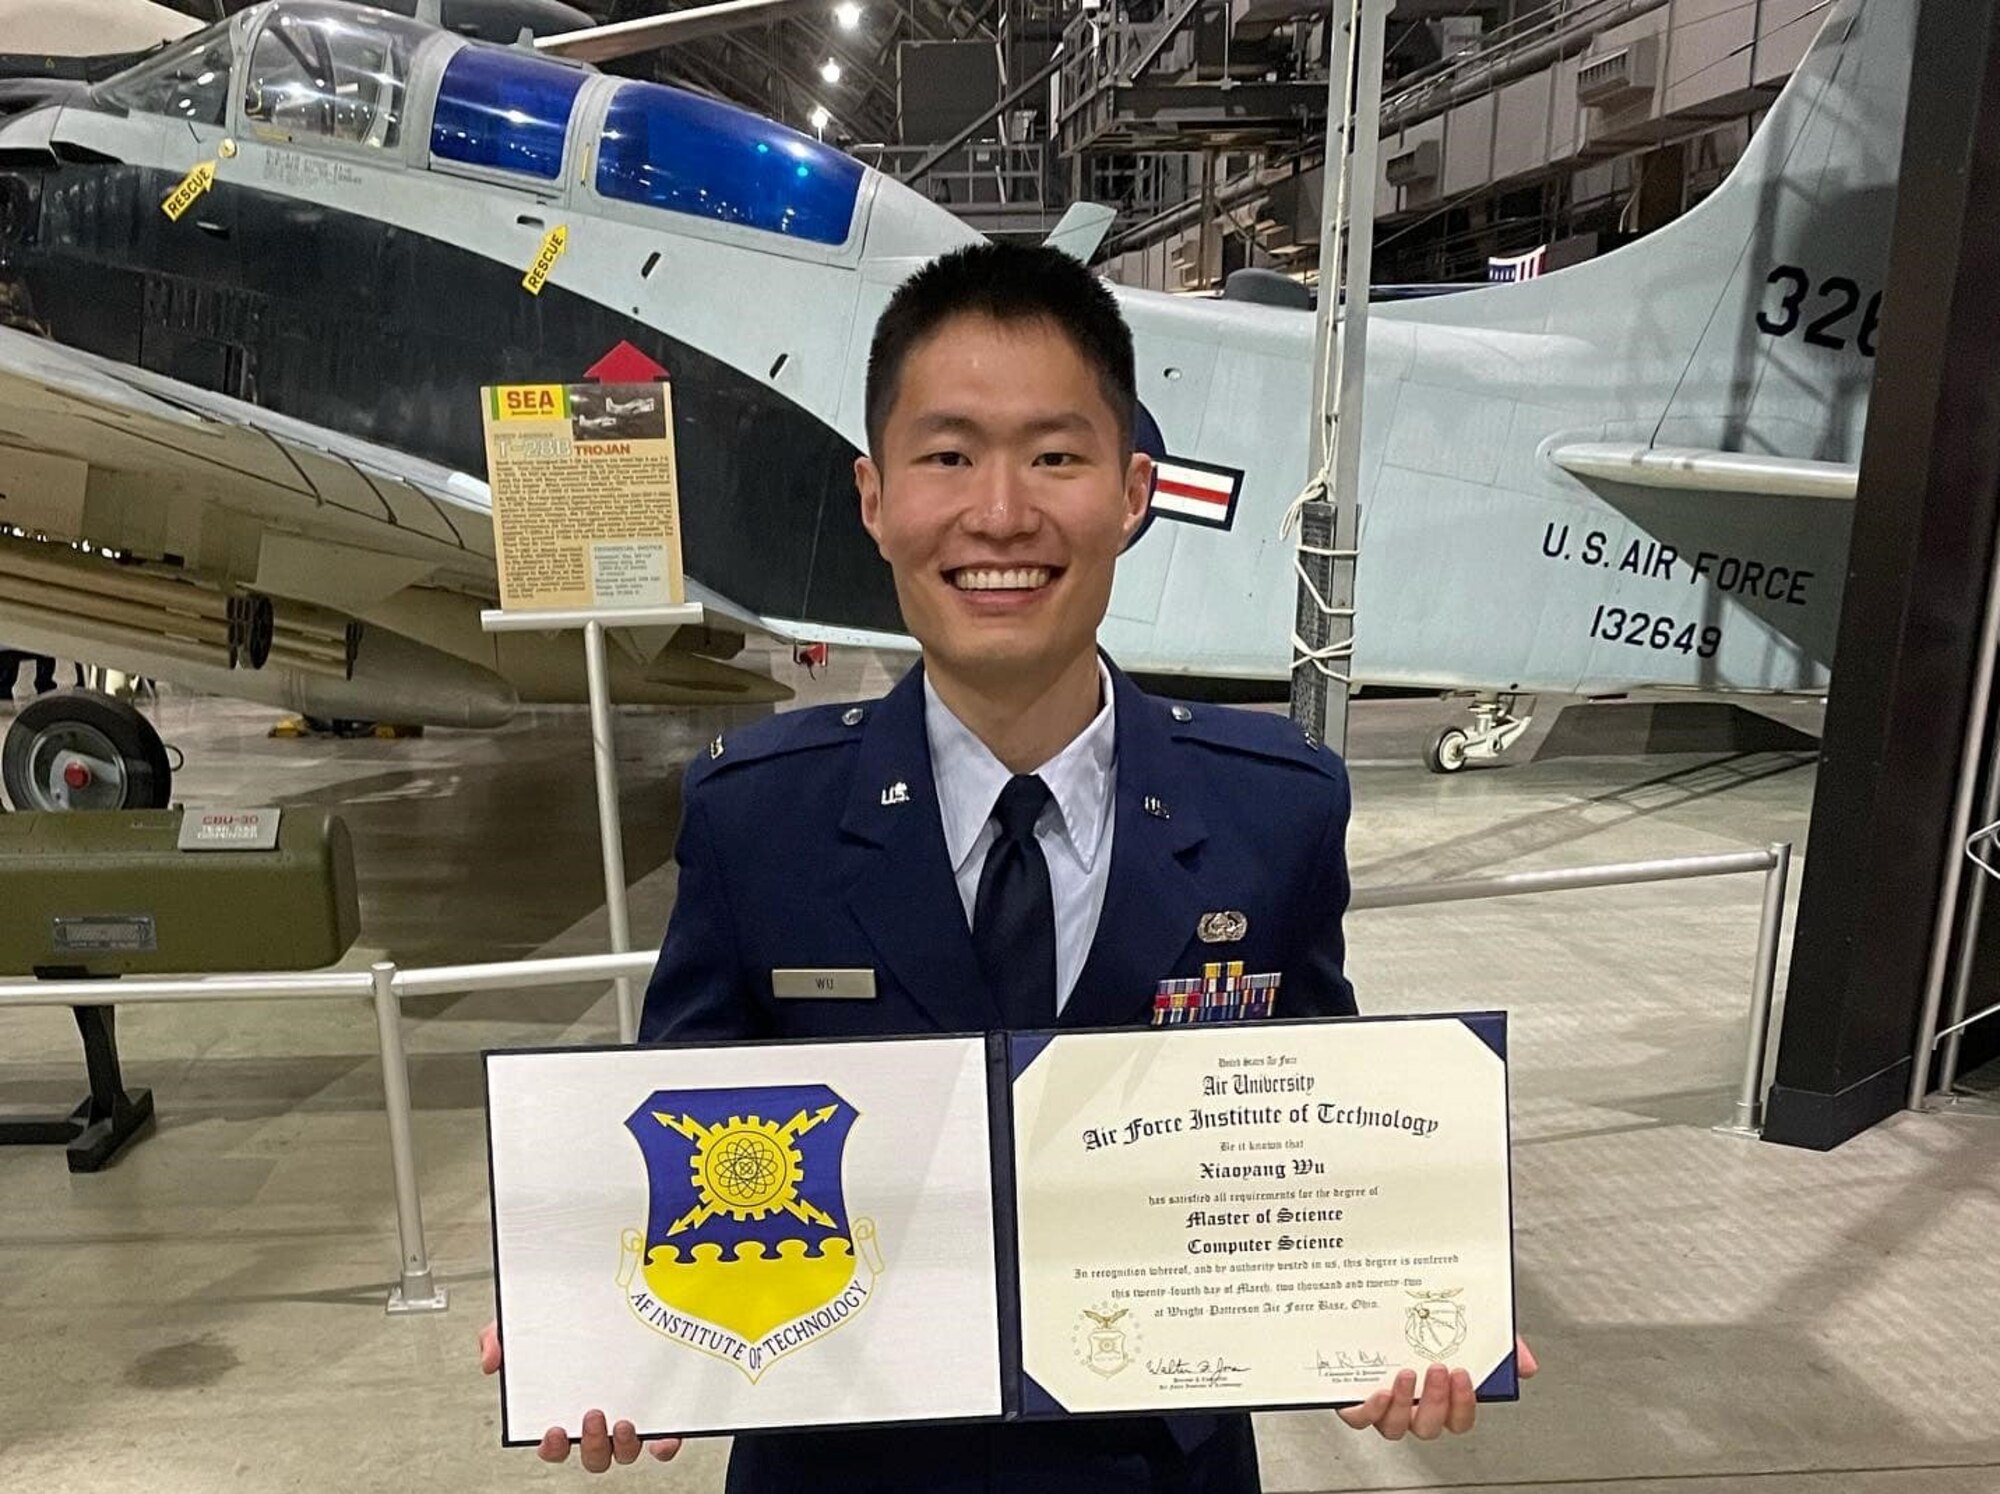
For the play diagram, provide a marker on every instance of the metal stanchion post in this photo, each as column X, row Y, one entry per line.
column 1749, row 1118
column 1972, row 756
column 610, row 832
column 604, row 757
column 416, row 1292
column 1968, row 948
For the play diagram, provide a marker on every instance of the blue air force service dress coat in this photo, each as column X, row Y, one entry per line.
column 812, row 841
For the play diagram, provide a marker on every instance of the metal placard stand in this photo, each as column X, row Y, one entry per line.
column 593, row 621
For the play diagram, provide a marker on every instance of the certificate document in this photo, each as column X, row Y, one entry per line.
column 763, row 1236
column 746, row 1236
column 1260, row 1214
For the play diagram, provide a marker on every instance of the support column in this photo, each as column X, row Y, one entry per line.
column 1890, row 783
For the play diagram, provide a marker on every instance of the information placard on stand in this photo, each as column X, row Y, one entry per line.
column 586, row 500
column 586, row 529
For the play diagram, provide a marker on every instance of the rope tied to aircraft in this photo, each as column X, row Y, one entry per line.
column 1326, row 657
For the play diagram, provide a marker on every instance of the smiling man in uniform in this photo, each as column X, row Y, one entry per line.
column 1015, row 836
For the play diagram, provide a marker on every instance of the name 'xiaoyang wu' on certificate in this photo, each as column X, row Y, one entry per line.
column 1269, row 1215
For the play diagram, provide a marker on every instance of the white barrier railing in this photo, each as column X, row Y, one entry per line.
column 387, row 986
column 1774, row 861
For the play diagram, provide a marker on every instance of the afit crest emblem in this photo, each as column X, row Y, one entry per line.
column 748, row 1252
column 1106, row 1339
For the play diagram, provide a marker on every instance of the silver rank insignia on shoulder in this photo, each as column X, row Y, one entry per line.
column 1222, row 928
column 715, row 748
column 1154, row 807
column 896, row 793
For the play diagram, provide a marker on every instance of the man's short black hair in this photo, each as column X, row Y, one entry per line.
column 1011, row 283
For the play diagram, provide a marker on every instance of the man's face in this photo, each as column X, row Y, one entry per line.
column 1002, row 498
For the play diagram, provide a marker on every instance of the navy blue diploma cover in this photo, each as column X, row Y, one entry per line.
column 1186, row 1220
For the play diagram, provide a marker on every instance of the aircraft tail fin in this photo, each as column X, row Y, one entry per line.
column 1747, row 325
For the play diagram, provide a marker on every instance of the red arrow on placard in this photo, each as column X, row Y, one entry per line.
column 625, row 364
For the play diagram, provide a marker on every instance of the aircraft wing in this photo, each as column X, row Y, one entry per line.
column 126, row 460
column 1688, row 470
column 645, row 33
column 132, row 460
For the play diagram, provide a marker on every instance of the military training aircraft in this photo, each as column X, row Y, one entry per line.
column 240, row 447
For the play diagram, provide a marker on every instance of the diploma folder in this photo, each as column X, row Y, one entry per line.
column 708, row 1239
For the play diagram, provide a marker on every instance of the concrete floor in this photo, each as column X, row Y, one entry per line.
column 1713, row 1315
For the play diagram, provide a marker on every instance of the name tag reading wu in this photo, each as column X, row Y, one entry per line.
column 823, row 985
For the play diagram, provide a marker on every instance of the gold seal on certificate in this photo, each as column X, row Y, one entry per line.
column 1261, row 1214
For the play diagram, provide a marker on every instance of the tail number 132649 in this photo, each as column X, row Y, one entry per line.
column 1655, row 630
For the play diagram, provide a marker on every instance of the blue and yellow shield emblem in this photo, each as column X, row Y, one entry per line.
column 748, row 1251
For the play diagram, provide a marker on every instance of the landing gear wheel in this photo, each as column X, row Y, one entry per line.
column 1495, row 727
column 77, row 749
column 1445, row 752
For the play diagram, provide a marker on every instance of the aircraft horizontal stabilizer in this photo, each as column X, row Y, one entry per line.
column 1691, row 470
column 1081, row 230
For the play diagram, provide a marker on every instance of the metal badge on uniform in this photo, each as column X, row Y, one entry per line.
column 1226, row 927
column 1215, row 996
column 823, row 985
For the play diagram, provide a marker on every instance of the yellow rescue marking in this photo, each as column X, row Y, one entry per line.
column 553, row 245
column 192, row 186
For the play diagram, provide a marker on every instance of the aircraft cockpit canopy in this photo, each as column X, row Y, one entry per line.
column 189, row 80
column 692, row 155
column 504, row 109
column 660, row 147
column 321, row 73
column 333, row 72
column 316, row 71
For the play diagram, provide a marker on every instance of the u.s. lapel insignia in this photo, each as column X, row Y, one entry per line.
column 715, row 748
column 896, row 793
column 1222, row 928
column 1154, row 807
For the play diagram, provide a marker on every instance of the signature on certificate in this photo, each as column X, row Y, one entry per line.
column 1212, row 1369
column 1343, row 1362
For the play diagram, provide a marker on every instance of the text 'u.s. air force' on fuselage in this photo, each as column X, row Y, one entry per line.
column 1634, row 471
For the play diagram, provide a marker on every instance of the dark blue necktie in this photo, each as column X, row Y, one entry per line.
column 1014, row 915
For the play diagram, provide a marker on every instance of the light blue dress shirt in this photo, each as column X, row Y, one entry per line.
column 1074, row 831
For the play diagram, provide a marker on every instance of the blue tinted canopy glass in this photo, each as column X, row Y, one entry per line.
column 691, row 155
column 502, row 108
